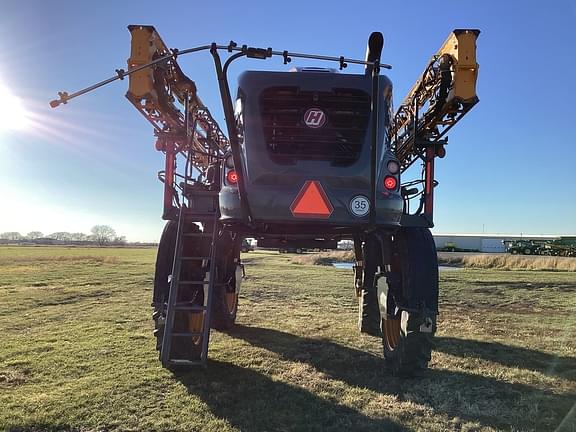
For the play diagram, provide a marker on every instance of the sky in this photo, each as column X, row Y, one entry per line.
column 510, row 164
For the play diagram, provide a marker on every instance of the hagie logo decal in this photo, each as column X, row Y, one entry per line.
column 314, row 118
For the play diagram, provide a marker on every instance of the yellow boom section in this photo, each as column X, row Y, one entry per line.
column 445, row 91
column 160, row 93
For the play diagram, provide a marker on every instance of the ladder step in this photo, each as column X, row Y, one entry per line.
column 187, row 334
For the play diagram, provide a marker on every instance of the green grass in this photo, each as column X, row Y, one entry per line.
column 77, row 352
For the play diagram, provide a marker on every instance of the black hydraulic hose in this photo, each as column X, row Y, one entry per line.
column 232, row 131
column 374, row 140
column 230, row 60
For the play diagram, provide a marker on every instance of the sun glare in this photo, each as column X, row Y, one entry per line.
column 13, row 116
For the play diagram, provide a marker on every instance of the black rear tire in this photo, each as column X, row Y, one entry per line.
column 164, row 262
column 225, row 300
column 409, row 302
column 225, row 308
column 407, row 349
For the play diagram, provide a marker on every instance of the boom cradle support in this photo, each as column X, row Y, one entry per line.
column 443, row 94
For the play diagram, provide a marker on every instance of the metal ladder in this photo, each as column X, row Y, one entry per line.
column 207, row 267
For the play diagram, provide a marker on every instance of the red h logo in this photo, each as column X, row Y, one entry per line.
column 314, row 118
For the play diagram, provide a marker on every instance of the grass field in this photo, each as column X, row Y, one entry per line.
column 77, row 352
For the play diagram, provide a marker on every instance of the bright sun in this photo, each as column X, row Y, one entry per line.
column 13, row 116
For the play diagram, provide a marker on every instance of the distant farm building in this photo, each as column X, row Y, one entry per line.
column 481, row 242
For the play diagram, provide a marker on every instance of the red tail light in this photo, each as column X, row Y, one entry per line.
column 390, row 182
column 232, row 177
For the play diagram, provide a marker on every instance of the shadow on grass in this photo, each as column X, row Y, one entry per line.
column 251, row 401
column 510, row 356
column 457, row 394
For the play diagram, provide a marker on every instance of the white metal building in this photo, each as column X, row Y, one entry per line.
column 483, row 242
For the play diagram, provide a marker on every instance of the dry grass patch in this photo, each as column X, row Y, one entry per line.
column 485, row 261
column 11, row 377
column 512, row 262
column 324, row 258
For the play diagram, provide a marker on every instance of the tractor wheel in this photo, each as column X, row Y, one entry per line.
column 514, row 252
column 407, row 341
column 527, row 251
column 408, row 328
column 224, row 308
column 225, row 299
column 164, row 262
column 162, row 274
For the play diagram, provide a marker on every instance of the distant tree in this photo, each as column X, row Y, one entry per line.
column 79, row 237
column 103, row 234
column 61, row 235
column 33, row 235
column 13, row 235
column 120, row 240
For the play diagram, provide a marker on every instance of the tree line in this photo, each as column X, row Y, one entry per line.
column 99, row 234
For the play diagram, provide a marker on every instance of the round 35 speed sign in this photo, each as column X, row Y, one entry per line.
column 359, row 205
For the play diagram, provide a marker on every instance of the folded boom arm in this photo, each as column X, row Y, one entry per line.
column 445, row 91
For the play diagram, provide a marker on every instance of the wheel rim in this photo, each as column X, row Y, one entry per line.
column 231, row 302
column 391, row 329
column 195, row 324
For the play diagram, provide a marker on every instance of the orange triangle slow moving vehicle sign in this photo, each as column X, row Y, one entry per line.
column 312, row 202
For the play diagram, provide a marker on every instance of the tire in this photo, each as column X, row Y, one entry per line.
column 527, row 251
column 407, row 350
column 224, row 309
column 409, row 302
column 164, row 262
column 225, row 299
column 514, row 252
